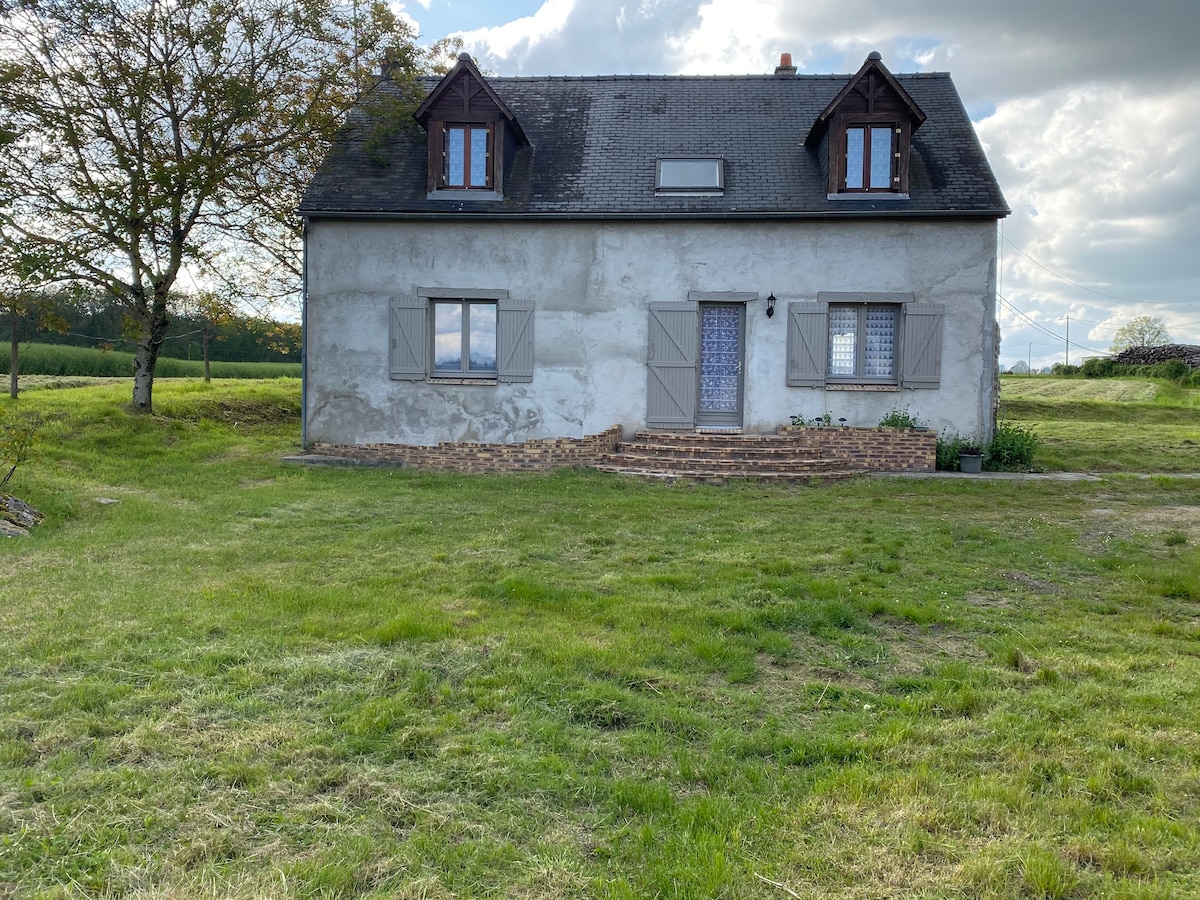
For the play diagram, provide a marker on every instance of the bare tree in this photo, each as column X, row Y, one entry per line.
column 157, row 136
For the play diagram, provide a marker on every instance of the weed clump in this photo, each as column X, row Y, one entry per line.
column 1011, row 448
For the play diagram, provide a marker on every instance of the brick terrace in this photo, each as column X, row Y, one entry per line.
column 795, row 453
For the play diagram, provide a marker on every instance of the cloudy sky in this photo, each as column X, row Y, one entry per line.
column 1089, row 111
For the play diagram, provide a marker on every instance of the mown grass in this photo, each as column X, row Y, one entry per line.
column 250, row 679
column 65, row 360
column 1107, row 425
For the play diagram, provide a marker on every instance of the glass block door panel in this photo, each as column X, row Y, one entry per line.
column 721, row 349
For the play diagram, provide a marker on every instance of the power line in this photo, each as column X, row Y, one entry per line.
column 1082, row 287
column 1047, row 331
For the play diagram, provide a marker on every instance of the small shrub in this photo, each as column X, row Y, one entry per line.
column 1011, row 449
column 1064, row 369
column 1175, row 370
column 1099, row 367
column 16, row 441
column 899, row 418
column 948, row 449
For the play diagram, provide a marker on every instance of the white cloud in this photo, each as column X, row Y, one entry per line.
column 510, row 41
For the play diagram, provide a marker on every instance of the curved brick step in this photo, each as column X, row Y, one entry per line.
column 735, row 465
column 765, row 454
column 712, row 477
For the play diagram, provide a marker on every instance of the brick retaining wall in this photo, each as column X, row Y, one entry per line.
column 467, row 457
column 870, row 449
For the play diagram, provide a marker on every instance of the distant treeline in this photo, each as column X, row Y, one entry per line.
column 100, row 324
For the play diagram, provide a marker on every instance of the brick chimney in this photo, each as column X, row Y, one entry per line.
column 785, row 69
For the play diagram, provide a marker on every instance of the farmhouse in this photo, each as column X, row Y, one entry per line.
column 552, row 259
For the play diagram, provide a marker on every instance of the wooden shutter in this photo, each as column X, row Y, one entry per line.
column 921, row 347
column 408, row 339
column 674, row 348
column 514, row 340
column 807, row 344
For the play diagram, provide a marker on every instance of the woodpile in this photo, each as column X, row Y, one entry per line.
column 1148, row 356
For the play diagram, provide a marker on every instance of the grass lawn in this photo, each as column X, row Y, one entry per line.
column 1106, row 425
column 246, row 679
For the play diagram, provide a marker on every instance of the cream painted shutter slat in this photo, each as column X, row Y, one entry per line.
column 408, row 338
column 921, row 348
column 674, row 349
column 807, row 344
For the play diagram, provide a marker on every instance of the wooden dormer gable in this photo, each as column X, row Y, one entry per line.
column 871, row 118
column 469, row 129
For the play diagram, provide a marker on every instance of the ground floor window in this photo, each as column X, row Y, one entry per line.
column 862, row 342
column 864, row 339
column 464, row 338
column 481, row 335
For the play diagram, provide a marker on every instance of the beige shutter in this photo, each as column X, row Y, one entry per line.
column 921, row 348
column 514, row 340
column 674, row 349
column 408, row 339
column 807, row 344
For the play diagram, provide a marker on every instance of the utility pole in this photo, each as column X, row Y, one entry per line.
column 1067, row 360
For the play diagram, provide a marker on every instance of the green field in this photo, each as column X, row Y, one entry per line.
column 38, row 361
column 1107, row 425
column 223, row 676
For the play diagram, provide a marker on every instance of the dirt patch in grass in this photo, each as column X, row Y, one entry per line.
column 1184, row 519
column 915, row 649
column 1028, row 582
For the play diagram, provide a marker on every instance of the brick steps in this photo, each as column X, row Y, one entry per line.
column 717, row 458
column 706, row 476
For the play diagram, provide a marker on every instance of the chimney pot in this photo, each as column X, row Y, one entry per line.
column 785, row 69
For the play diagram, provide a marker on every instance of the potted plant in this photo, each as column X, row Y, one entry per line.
column 970, row 460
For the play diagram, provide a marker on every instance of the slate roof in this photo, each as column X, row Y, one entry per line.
column 594, row 141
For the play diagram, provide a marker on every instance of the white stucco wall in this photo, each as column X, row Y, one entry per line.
column 592, row 283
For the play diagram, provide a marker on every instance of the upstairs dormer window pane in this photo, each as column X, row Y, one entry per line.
column 854, row 158
column 881, row 159
column 690, row 175
column 479, row 157
column 869, row 155
column 466, row 155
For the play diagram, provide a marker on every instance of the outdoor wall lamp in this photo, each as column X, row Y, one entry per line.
column 770, row 305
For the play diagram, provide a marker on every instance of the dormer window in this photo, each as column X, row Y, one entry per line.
column 467, row 154
column 472, row 135
column 866, row 131
column 690, row 175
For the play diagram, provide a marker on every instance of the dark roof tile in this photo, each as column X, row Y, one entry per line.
column 593, row 142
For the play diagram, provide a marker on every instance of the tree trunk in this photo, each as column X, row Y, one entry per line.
column 207, row 372
column 14, row 365
column 154, row 324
